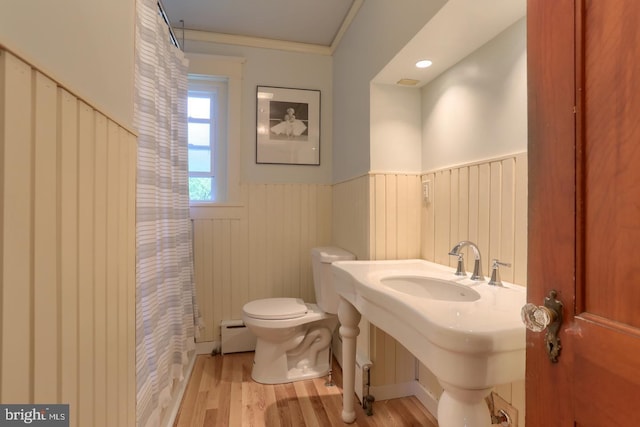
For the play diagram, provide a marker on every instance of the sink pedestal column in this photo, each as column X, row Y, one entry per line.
column 459, row 407
column 349, row 318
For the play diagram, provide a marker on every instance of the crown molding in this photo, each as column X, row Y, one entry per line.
column 220, row 38
column 263, row 43
column 355, row 7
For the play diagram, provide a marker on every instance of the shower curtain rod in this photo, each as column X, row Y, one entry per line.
column 172, row 35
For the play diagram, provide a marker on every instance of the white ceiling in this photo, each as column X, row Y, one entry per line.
column 459, row 27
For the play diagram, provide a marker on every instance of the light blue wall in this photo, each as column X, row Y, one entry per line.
column 381, row 28
column 271, row 67
column 86, row 45
column 396, row 123
column 488, row 121
column 477, row 109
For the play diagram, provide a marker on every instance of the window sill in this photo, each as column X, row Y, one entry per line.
column 204, row 204
column 217, row 210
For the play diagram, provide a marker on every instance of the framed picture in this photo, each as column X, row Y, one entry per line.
column 287, row 126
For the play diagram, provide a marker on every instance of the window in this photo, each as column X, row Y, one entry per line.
column 207, row 138
column 220, row 78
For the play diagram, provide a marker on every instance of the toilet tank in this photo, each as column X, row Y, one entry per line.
column 321, row 258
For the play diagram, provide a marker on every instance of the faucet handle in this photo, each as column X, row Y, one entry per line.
column 460, row 271
column 495, row 273
column 495, row 263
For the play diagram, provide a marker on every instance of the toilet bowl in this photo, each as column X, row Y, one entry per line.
column 294, row 337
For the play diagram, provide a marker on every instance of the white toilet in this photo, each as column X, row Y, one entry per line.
column 293, row 337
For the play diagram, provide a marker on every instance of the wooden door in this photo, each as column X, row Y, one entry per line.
column 584, row 201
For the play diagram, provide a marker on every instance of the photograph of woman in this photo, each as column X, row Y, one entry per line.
column 288, row 125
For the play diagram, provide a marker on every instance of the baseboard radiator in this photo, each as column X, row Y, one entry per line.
column 236, row 337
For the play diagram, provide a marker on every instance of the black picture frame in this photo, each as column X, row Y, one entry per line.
column 287, row 126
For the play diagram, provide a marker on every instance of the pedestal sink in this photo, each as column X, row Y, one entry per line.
column 469, row 334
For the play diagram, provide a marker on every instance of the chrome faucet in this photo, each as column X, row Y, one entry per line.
column 460, row 271
column 477, row 265
column 495, row 272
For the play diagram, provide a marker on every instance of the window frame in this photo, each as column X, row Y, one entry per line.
column 217, row 88
column 231, row 68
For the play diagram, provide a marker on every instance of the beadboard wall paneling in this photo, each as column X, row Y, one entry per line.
column 67, row 259
column 260, row 248
column 483, row 202
column 377, row 216
column 395, row 209
column 351, row 219
column 395, row 216
column 351, row 216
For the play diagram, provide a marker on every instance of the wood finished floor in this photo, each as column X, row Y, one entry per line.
column 221, row 393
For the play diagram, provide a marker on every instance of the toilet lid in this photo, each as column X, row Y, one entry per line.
column 275, row 308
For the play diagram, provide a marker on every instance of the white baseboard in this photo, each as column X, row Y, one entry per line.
column 207, row 347
column 428, row 400
column 409, row 388
column 171, row 411
column 392, row 391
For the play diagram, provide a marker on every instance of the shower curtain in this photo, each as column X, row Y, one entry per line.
column 166, row 314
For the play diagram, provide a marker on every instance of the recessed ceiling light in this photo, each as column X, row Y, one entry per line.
column 425, row 63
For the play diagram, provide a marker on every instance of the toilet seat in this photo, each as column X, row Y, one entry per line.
column 276, row 308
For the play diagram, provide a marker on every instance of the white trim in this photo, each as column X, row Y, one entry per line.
column 355, row 7
column 221, row 38
column 412, row 173
column 444, row 168
column 211, row 211
column 346, row 180
column 231, row 67
column 478, row 162
column 392, row 391
column 171, row 411
column 409, row 388
column 428, row 400
column 207, row 347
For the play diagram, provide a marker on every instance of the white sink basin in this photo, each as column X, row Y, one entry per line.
column 468, row 333
column 429, row 287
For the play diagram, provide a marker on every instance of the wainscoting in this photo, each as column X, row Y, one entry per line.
column 385, row 211
column 485, row 202
column 259, row 248
column 351, row 216
column 395, row 216
column 395, row 226
column 67, row 260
